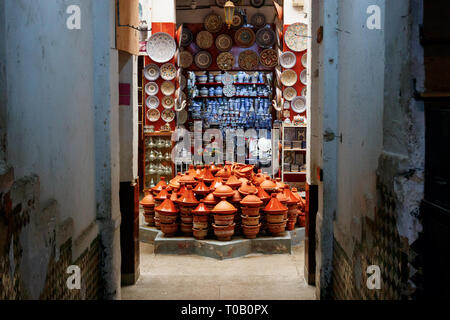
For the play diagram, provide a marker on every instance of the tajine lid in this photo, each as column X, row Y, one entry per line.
column 275, row 206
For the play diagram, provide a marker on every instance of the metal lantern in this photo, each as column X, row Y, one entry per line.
column 229, row 13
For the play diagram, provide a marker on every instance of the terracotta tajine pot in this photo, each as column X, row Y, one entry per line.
column 210, row 201
column 302, row 220
column 170, row 229
column 208, row 177
column 201, row 212
column 157, row 222
column 280, row 184
column 188, row 199
column 259, row 178
column 191, row 171
column 188, row 180
column 233, row 182
column 224, row 173
column 224, row 233
column 262, row 195
column 236, row 199
column 186, row 229
column 167, row 208
column 174, row 183
column 223, row 191
column 217, row 182
column 223, row 219
column 224, row 207
column 252, row 201
column 250, row 221
column 282, row 197
column 214, row 169
column 268, row 185
column 247, row 189
column 290, row 225
column 201, row 189
column 250, row 232
column 277, row 229
column 187, row 219
column 148, row 202
column 157, row 189
column 200, row 234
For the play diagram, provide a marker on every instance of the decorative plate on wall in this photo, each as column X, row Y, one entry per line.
column 203, row 59
column 269, row 58
column 245, row 37
column 238, row 21
column 299, row 104
column 152, row 102
column 167, row 88
column 248, row 60
column 186, row 59
column 186, row 37
column 168, row 115
column 265, row 38
column 289, row 93
column 229, row 91
column 168, row 71
column 258, row 20
column 257, row 3
column 205, row 39
column 288, row 59
column 151, row 89
column 161, row 47
column 151, row 72
column 288, row 78
column 182, row 82
column 296, row 37
column 153, row 115
column 305, row 60
column 168, row 102
column 182, row 116
column 225, row 61
column 303, row 78
column 224, row 42
column 213, row 23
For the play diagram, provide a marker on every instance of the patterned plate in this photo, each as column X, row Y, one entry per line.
column 161, row 47
column 303, row 78
column 168, row 115
column 299, row 104
column 229, row 91
column 205, row 39
column 258, row 20
column 186, row 59
column 151, row 72
column 265, row 38
column 245, row 37
column 289, row 93
column 268, row 58
column 151, row 89
column 296, row 37
column 225, row 61
column 305, row 60
column 227, row 79
column 167, row 88
column 186, row 37
column 168, row 102
column 203, row 59
column 224, row 42
column 182, row 82
column 153, row 115
column 257, row 3
column 152, row 102
column 168, row 71
column 248, row 60
column 213, row 23
column 288, row 78
column 238, row 21
column 288, row 59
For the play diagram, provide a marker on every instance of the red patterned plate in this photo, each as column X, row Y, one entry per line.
column 269, row 58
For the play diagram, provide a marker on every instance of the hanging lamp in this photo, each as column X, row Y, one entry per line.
column 229, row 13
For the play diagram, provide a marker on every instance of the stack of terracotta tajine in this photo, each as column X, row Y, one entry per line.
column 251, row 205
column 276, row 213
column 201, row 221
column 234, row 183
column 157, row 189
column 292, row 205
column 301, row 220
column 265, row 198
column 187, row 202
column 224, row 214
column 148, row 203
column 159, row 199
column 168, row 215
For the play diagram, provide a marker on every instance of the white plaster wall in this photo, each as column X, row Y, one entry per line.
column 293, row 14
column 163, row 11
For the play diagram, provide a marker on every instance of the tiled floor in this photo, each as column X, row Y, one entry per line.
column 255, row 277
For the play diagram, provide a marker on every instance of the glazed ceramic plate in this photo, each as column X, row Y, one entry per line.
column 204, row 39
column 245, row 37
column 305, row 60
column 151, row 72
column 153, row 115
column 224, row 42
column 229, row 91
column 213, row 23
column 168, row 71
column 288, row 60
column 161, row 47
column 225, row 61
column 248, row 60
column 269, row 58
column 304, row 91
column 151, row 89
column 258, row 20
column 182, row 116
column 265, row 38
column 167, row 88
column 227, row 79
column 186, row 59
column 152, row 102
column 182, row 81
column 203, row 59
column 303, row 78
column 288, row 78
column 186, row 37
column 257, row 3
column 238, row 21
column 289, row 93
column 168, row 115
column 299, row 104
column 296, row 37
column 167, row 102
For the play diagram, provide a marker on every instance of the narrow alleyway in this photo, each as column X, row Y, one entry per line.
column 255, row 277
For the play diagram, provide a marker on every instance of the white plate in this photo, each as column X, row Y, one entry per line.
column 288, row 60
column 305, row 60
column 288, row 78
column 299, row 104
column 167, row 88
column 151, row 72
column 289, row 93
column 151, row 89
column 152, row 102
column 303, row 78
column 161, row 47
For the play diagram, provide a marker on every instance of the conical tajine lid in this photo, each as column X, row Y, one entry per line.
column 236, row 198
column 223, row 191
column 182, row 189
column 167, row 207
column 191, row 171
column 259, row 178
column 174, row 196
column 201, row 188
column 275, row 206
column 148, row 201
column 224, row 207
column 233, row 182
column 214, row 169
column 243, row 180
column 247, row 189
column 188, row 180
column 201, row 209
column 198, row 171
column 224, row 173
column 174, row 183
column 280, row 185
column 160, row 184
column 163, row 195
column 280, row 196
column 208, row 176
column 268, row 185
column 217, row 182
column 188, row 198
column 292, row 200
column 210, row 199
column 263, row 195
column 251, row 201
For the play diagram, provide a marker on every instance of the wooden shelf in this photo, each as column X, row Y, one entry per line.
column 302, row 173
column 235, row 84
column 295, row 149
column 158, row 134
column 212, row 97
